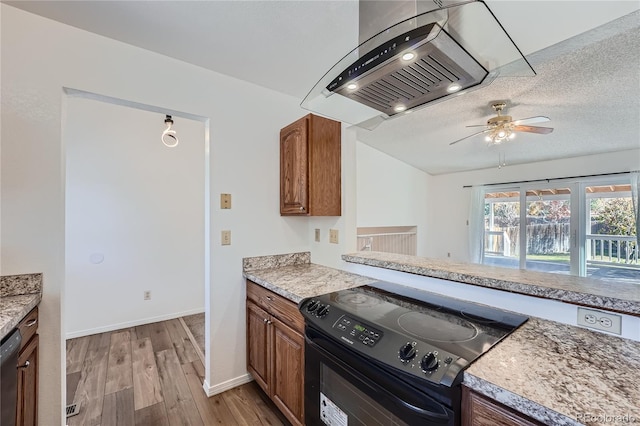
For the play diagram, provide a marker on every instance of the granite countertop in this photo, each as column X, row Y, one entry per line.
column 296, row 282
column 556, row 373
column 619, row 297
column 562, row 375
column 19, row 294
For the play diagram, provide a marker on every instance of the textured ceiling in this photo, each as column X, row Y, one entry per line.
column 588, row 84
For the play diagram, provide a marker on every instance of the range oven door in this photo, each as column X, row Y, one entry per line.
column 342, row 389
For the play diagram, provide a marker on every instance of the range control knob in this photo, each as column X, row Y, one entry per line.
column 429, row 363
column 407, row 352
column 322, row 311
column 313, row 305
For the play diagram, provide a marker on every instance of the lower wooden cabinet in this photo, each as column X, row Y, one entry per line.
column 27, row 409
column 275, row 349
column 479, row 410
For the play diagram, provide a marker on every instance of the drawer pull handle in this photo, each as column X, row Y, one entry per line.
column 32, row 322
column 26, row 364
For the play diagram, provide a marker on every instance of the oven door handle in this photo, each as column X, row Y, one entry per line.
column 441, row 417
column 421, row 411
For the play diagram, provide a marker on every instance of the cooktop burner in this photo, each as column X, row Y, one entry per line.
column 360, row 300
column 427, row 335
column 437, row 329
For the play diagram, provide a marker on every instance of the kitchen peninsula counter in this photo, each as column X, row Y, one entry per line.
column 556, row 373
column 619, row 296
column 19, row 294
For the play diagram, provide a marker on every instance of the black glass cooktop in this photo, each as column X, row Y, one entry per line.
column 423, row 333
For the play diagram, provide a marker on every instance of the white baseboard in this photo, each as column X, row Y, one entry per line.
column 225, row 386
column 133, row 323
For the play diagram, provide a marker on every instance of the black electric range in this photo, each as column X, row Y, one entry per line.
column 422, row 340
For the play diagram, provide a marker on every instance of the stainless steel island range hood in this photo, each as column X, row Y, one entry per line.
column 413, row 53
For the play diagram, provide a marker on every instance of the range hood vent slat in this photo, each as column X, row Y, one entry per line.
column 407, row 82
column 420, row 80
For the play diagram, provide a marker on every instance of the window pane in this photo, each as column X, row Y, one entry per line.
column 611, row 243
column 548, row 230
column 502, row 229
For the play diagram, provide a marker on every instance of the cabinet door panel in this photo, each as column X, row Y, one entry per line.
column 27, row 413
column 478, row 410
column 294, row 183
column 288, row 368
column 258, row 356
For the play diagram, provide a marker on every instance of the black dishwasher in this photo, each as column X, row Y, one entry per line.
column 9, row 348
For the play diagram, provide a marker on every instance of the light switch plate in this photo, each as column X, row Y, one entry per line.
column 317, row 236
column 226, row 238
column 600, row 320
column 333, row 236
column 225, row 201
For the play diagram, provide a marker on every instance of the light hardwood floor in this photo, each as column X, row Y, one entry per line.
column 151, row 375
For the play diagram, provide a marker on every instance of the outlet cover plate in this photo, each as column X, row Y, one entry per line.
column 333, row 236
column 317, row 235
column 605, row 321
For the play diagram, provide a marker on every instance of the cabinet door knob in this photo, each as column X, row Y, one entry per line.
column 26, row 364
column 265, row 320
column 269, row 322
column 269, row 298
column 301, row 208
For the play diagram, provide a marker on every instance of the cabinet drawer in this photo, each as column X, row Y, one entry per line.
column 284, row 309
column 28, row 326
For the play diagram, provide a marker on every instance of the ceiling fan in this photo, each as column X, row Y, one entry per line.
column 502, row 128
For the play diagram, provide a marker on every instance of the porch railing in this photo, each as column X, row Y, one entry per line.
column 497, row 242
column 612, row 248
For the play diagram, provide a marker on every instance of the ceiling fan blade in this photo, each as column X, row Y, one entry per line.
column 477, row 125
column 533, row 129
column 531, row 120
column 471, row 135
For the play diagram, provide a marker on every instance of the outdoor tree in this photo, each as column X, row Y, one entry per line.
column 551, row 211
column 612, row 216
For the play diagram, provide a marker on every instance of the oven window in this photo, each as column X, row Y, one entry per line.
column 341, row 403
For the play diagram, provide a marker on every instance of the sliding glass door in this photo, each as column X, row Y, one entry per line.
column 585, row 228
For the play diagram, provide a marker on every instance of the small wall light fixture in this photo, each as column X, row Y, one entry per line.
column 169, row 137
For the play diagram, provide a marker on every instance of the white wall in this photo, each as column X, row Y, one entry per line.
column 134, row 217
column 39, row 58
column 391, row 193
column 448, row 230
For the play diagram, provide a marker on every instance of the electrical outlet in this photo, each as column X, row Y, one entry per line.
column 333, row 236
column 147, row 295
column 317, row 235
column 226, row 238
column 599, row 320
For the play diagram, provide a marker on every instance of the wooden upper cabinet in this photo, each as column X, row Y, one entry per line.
column 310, row 172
